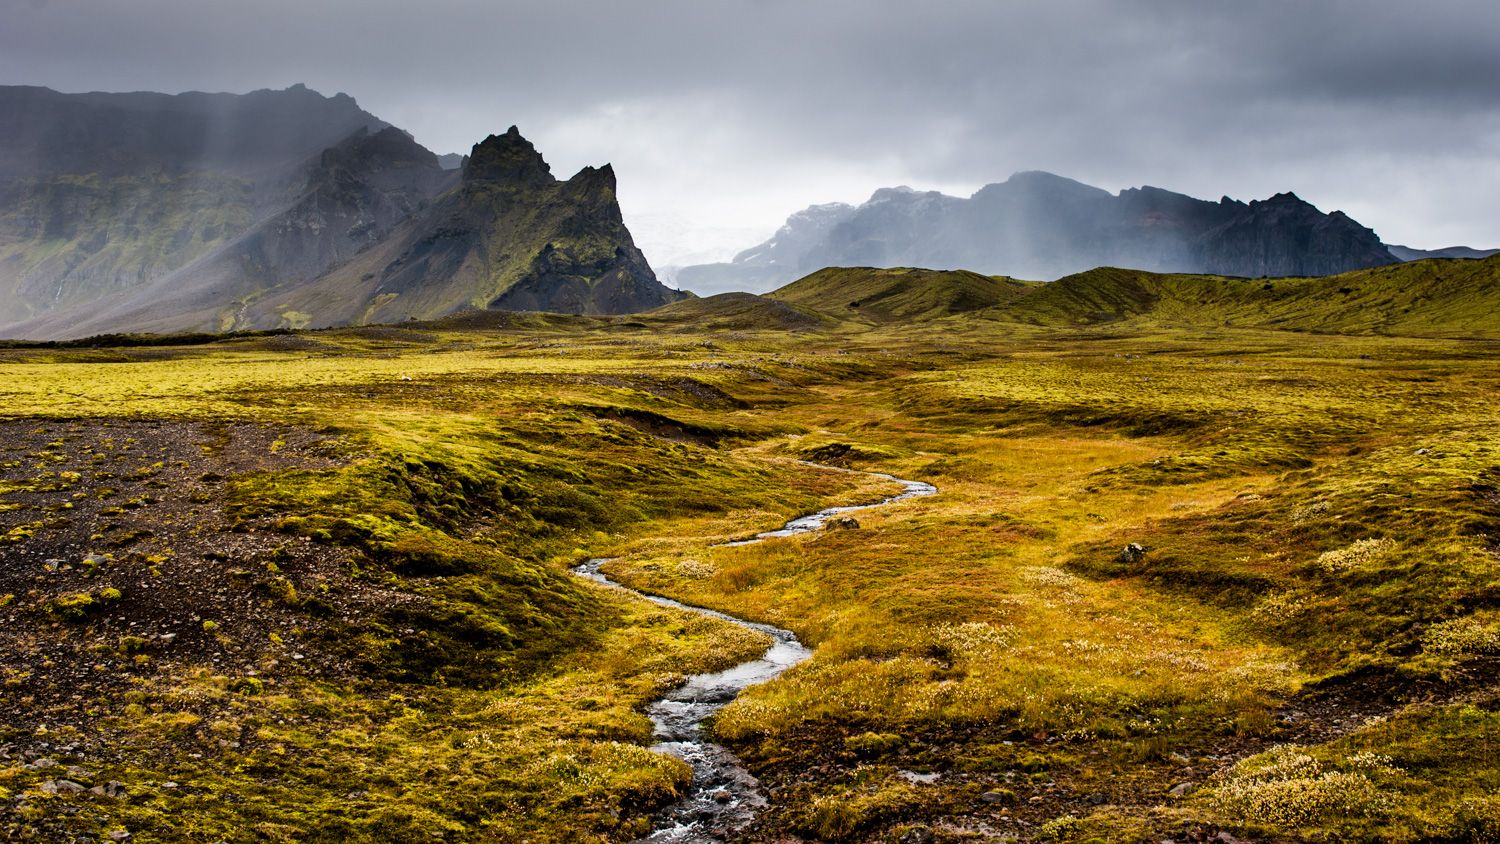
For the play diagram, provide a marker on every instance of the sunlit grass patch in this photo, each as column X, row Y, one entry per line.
column 1288, row 788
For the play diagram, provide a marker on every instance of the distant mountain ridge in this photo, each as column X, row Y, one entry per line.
column 1040, row 226
column 1406, row 253
column 150, row 212
column 46, row 133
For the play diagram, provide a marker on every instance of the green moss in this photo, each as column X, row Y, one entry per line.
column 78, row 606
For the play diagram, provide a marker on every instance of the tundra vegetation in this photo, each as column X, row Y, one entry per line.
column 1180, row 578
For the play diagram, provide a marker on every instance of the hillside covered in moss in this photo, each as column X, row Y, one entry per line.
column 1433, row 297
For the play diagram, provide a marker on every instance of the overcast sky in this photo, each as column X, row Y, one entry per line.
column 721, row 117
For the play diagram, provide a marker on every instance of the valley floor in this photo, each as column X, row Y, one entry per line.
column 1178, row 585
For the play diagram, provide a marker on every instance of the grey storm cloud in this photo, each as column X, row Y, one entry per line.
column 737, row 112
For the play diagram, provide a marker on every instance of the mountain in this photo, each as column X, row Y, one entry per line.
column 44, row 133
column 1406, row 253
column 101, row 193
column 1037, row 225
column 149, row 212
column 509, row 236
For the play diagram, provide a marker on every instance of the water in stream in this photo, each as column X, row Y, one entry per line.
column 723, row 796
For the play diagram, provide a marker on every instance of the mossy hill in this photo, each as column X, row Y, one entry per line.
column 316, row 213
column 902, row 294
column 1432, row 297
column 739, row 311
column 1436, row 297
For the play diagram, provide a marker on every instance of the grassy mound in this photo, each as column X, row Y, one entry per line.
column 737, row 312
column 903, row 294
column 1434, row 297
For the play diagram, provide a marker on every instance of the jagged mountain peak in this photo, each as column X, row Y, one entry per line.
column 388, row 147
column 1032, row 182
column 601, row 176
column 507, row 159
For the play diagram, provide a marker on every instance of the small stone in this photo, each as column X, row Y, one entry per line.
column 70, row 787
column 47, row 787
column 992, row 797
column 1131, row 553
column 916, row 835
column 1181, row 789
column 117, row 835
column 168, row 637
column 357, row 795
column 44, row 762
column 843, row 523
column 169, row 785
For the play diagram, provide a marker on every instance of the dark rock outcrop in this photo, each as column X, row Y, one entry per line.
column 510, row 237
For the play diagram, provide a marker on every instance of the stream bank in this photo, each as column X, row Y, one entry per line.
column 723, row 796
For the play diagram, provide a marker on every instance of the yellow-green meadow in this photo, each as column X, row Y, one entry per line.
column 1176, row 580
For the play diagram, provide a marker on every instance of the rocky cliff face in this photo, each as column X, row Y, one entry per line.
column 1040, row 226
column 511, row 236
column 1284, row 236
column 367, row 226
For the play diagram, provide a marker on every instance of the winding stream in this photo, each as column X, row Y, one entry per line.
column 723, row 796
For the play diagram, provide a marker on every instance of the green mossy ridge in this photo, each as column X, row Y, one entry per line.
column 901, row 295
column 736, row 312
column 1434, row 297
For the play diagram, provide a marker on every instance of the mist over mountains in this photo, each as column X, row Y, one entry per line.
column 1040, row 226
column 285, row 209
